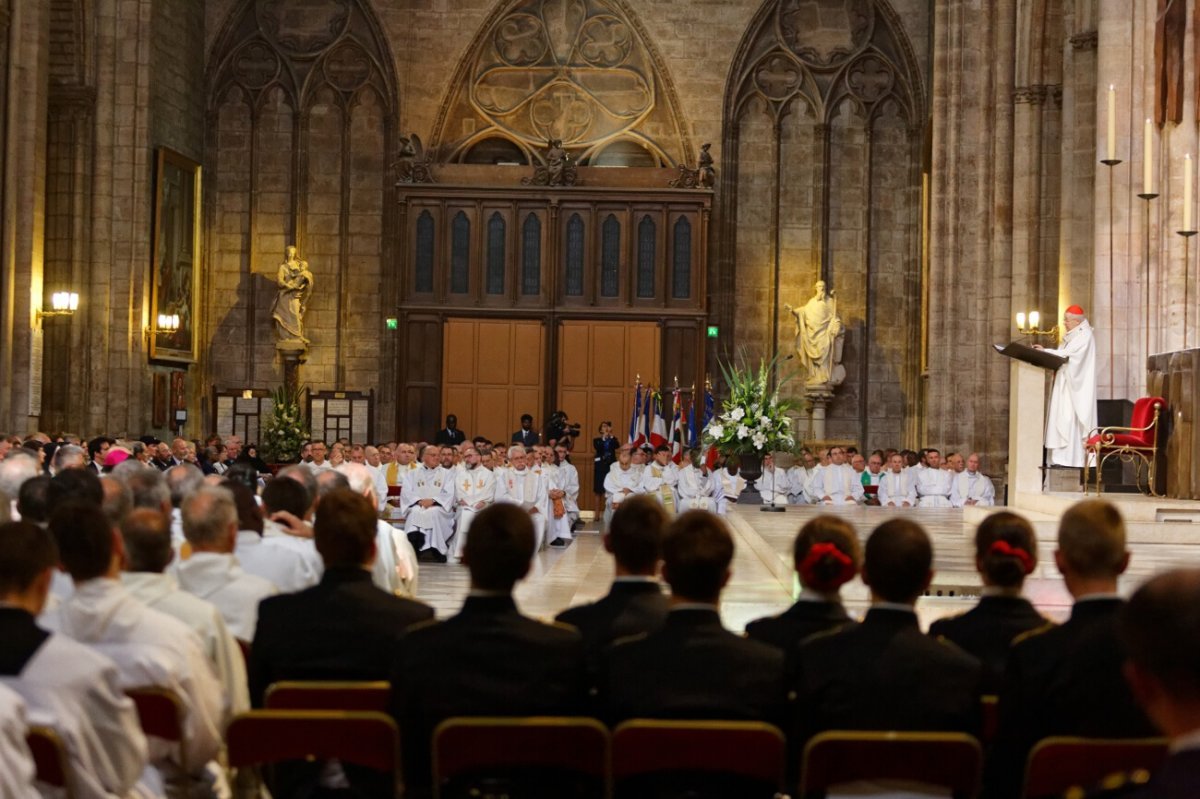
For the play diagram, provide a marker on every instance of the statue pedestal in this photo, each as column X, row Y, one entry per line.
column 292, row 352
column 818, row 398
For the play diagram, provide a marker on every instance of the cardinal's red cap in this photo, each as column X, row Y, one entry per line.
column 1075, row 309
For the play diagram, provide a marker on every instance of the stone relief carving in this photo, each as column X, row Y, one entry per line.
column 558, row 169
column 703, row 176
column 414, row 165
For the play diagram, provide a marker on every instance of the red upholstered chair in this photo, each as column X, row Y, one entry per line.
column 745, row 759
column 162, row 715
column 534, row 756
column 949, row 760
column 1137, row 443
column 1058, row 764
column 319, row 695
column 49, row 758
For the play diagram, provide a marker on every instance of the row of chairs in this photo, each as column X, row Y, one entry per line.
column 579, row 757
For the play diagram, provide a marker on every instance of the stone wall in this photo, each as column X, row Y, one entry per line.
column 177, row 77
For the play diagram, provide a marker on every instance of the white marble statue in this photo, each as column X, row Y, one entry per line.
column 819, row 338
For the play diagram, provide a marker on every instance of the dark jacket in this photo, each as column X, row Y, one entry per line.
column 20, row 639
column 631, row 607
column 449, row 438
column 987, row 632
column 885, row 674
column 693, row 668
column 801, row 620
column 525, row 438
column 488, row 660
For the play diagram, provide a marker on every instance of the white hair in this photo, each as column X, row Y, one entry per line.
column 515, row 449
column 360, row 479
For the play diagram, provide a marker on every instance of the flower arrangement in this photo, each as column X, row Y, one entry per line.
column 284, row 432
column 754, row 419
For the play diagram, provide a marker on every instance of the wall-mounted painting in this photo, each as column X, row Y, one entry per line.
column 176, row 258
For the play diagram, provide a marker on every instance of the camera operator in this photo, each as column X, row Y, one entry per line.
column 560, row 429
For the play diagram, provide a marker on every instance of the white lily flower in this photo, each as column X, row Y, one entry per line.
column 737, row 414
column 743, row 431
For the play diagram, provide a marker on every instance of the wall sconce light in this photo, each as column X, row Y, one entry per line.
column 1027, row 324
column 168, row 323
column 62, row 303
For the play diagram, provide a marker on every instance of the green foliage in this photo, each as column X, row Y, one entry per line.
column 285, row 430
column 754, row 419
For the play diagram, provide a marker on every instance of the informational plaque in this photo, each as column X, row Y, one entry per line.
column 336, row 415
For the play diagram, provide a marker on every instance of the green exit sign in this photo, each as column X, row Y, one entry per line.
column 713, row 331
column 392, row 323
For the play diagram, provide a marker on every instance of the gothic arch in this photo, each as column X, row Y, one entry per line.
column 824, row 114
column 583, row 71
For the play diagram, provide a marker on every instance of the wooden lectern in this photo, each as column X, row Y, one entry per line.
column 1027, row 416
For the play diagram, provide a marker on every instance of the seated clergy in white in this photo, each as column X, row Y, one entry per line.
column 837, row 483
column 775, row 485
column 16, row 761
column 728, row 483
column 694, row 488
column 427, row 502
column 799, row 476
column 281, row 565
column 212, row 572
column 395, row 568
column 150, row 648
column 621, row 482
column 520, row 485
column 934, row 484
column 147, row 538
column 898, row 485
column 287, row 507
column 564, row 498
column 972, row 487
column 660, row 477
column 474, row 490
column 65, row 685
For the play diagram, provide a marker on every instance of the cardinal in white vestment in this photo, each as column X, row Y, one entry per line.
column 522, row 486
column 474, row 490
column 427, row 502
column 898, row 485
column 1072, row 414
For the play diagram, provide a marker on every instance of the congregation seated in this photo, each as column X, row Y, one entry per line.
column 489, row 659
column 1067, row 680
column 396, row 566
column 527, row 488
column 635, row 603
column 287, row 509
column 898, row 485
column 1005, row 554
column 835, row 483
column 475, row 490
column 885, row 674
column 692, row 667
column 934, row 485
column 344, row 627
column 970, row 487
column 283, row 567
column 71, row 687
column 427, row 503
column 826, row 555
column 149, row 648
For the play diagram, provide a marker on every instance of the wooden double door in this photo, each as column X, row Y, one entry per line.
column 494, row 370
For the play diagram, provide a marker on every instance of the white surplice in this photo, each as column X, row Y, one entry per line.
column 16, row 761
column 774, row 486
column 728, row 487
column 934, row 487
column 436, row 521
column 1072, row 413
column 896, row 489
column 282, row 566
column 219, row 579
column 694, row 489
column 619, row 485
column 161, row 592
column 661, row 482
column 395, row 568
column 972, row 485
column 526, row 488
column 151, row 649
column 306, row 548
column 566, row 479
column 798, row 479
column 77, row 691
column 474, row 490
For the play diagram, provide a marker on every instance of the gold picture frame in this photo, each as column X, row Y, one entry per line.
column 175, row 276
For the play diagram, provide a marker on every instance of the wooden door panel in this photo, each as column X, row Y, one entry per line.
column 496, row 375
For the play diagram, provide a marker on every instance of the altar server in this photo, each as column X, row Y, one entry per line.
column 660, row 477
column 68, row 686
column 520, row 485
column 972, row 487
column 427, row 502
column 622, row 482
column 898, row 486
column 933, row 483
column 475, row 489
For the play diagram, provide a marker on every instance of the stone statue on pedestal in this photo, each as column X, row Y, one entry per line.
column 295, row 288
column 820, row 337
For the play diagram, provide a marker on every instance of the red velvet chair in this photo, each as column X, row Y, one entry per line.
column 49, row 758
column 1056, row 765
column 1137, row 443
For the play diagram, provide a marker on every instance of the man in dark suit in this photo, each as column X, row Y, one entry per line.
column 635, row 603
column 1067, row 680
column 1160, row 628
column 97, row 451
column 489, row 660
column 693, row 667
column 450, row 435
column 884, row 674
column 343, row 628
column 526, row 436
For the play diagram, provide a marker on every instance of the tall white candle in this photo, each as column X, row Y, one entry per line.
column 1147, row 158
column 1187, row 192
column 1112, row 122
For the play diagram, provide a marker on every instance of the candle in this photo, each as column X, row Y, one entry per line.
column 1187, row 192
column 1112, row 122
column 1147, row 158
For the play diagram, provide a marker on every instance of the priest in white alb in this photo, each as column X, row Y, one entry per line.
column 934, row 484
column 693, row 487
column 564, row 497
column 972, row 487
column 621, row 482
column 427, row 503
column 475, row 489
column 836, row 483
column 521, row 485
column 660, row 477
column 898, row 485
column 775, row 483
column 1072, row 414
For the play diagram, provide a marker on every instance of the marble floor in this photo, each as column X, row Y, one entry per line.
column 763, row 581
